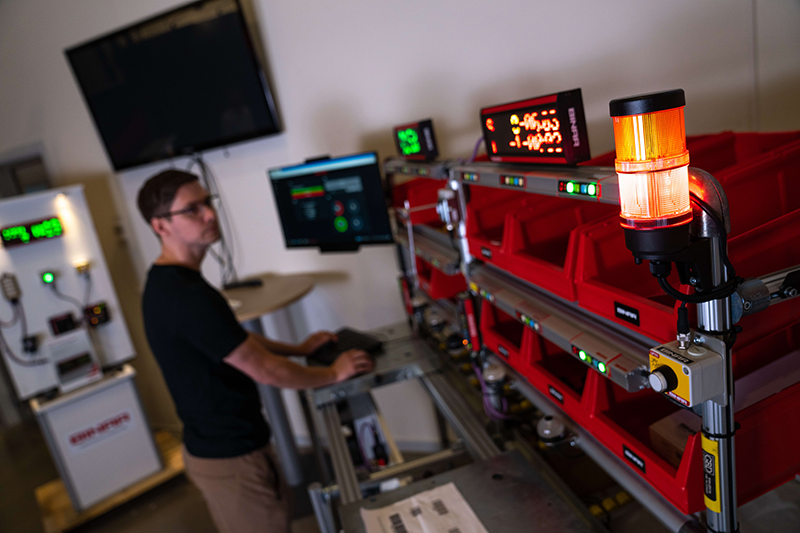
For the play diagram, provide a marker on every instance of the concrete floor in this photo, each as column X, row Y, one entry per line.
column 174, row 507
column 178, row 507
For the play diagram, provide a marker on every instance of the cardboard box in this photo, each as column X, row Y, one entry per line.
column 670, row 434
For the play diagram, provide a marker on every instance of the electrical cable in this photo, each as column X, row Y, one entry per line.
column 723, row 290
column 491, row 412
column 23, row 319
column 228, row 249
column 14, row 319
column 88, row 291
column 475, row 150
column 361, row 445
column 227, row 268
column 67, row 298
column 14, row 357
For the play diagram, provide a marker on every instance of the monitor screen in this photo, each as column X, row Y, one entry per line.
column 184, row 81
column 334, row 204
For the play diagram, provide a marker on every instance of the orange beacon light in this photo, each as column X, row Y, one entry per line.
column 652, row 166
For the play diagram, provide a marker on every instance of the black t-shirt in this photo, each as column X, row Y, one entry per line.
column 191, row 329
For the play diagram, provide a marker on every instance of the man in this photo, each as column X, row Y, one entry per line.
column 210, row 363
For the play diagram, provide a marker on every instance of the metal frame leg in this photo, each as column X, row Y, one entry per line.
column 316, row 442
column 719, row 466
column 321, row 503
column 279, row 422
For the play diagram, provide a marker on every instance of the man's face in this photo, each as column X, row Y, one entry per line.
column 194, row 222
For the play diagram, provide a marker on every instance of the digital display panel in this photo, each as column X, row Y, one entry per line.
column 27, row 233
column 334, row 204
column 416, row 141
column 69, row 366
column 546, row 129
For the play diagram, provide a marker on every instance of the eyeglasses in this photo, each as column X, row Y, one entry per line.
column 194, row 210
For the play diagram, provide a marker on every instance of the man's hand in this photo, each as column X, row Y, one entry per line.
column 350, row 363
column 316, row 341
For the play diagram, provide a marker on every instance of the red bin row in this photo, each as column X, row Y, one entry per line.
column 621, row 420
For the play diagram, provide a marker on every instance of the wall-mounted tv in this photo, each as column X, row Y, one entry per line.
column 179, row 83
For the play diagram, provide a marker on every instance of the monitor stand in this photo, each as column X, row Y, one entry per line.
column 339, row 247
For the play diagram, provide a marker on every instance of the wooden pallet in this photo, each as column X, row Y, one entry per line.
column 56, row 509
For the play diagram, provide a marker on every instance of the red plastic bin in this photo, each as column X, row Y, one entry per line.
column 755, row 253
column 766, row 456
column 759, row 192
column 717, row 152
column 540, row 243
column 610, row 284
column 557, row 374
column 486, row 216
column 436, row 283
column 504, row 335
column 419, row 192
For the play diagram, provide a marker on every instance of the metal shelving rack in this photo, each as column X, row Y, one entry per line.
column 624, row 353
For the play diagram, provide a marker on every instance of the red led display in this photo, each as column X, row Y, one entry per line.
column 547, row 129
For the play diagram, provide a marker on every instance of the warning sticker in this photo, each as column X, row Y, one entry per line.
column 711, row 474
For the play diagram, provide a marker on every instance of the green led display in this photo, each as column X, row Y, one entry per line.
column 18, row 233
column 33, row 231
column 409, row 141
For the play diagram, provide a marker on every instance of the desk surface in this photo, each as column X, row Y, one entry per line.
column 276, row 292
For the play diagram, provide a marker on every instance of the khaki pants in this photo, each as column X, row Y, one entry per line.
column 244, row 494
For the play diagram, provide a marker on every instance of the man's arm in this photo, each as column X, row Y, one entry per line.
column 253, row 359
column 308, row 346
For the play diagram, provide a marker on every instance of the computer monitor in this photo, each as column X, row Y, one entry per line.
column 333, row 204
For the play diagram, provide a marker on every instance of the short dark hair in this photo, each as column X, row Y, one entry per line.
column 158, row 193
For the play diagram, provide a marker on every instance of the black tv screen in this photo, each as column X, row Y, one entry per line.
column 333, row 204
column 184, row 81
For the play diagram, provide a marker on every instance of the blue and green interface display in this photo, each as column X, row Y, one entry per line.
column 332, row 203
column 20, row 234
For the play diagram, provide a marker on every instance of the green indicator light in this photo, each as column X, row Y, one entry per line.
column 582, row 355
column 592, row 189
column 570, row 187
column 601, row 367
column 48, row 277
column 340, row 223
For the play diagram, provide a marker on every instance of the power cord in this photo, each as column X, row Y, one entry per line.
column 721, row 291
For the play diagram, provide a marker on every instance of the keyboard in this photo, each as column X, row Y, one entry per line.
column 349, row 339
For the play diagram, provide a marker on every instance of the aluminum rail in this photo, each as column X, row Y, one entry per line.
column 428, row 245
column 757, row 294
column 660, row 507
column 461, row 417
column 340, row 456
column 542, row 180
column 568, row 326
column 434, row 169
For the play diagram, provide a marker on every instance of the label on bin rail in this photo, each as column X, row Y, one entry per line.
column 555, row 394
column 487, row 253
column 711, row 474
column 502, row 351
column 628, row 314
column 637, row 461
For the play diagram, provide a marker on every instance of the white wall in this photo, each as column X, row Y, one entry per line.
column 344, row 72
